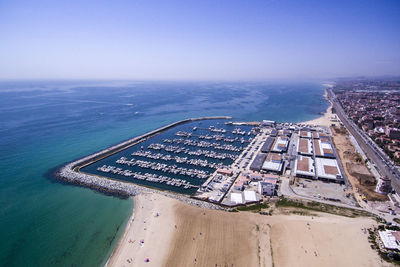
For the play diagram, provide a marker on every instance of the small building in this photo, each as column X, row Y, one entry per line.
column 304, row 146
column 273, row 162
column 242, row 180
column 237, row 198
column 390, row 239
column 304, row 167
column 268, row 123
column 268, row 185
column 225, row 172
column 250, row 196
column 258, row 161
column 238, row 185
column 328, row 170
column 256, row 176
column 384, row 185
column 281, row 144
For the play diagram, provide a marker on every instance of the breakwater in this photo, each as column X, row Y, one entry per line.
column 71, row 173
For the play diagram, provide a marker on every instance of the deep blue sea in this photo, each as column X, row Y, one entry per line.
column 44, row 124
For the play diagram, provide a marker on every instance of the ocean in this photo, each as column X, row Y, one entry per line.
column 44, row 124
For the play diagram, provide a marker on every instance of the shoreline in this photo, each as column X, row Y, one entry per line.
column 177, row 234
column 119, row 244
column 152, row 222
column 325, row 119
column 121, row 256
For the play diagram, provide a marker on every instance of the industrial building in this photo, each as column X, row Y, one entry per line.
column 281, row 144
column 328, row 169
column 274, row 163
column 285, row 132
column 258, row 161
column 315, row 135
column 323, row 148
column 305, row 134
column 274, row 132
column 304, row 146
column 266, row 147
column 304, row 167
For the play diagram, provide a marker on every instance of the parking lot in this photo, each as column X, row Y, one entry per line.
column 323, row 190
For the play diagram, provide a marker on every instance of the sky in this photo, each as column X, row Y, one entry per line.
column 198, row 39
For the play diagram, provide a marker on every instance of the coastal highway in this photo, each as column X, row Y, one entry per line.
column 371, row 150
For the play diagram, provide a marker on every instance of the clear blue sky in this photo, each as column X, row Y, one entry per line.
column 199, row 39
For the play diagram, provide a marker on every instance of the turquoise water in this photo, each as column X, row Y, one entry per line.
column 45, row 124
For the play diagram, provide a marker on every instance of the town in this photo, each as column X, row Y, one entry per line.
column 374, row 107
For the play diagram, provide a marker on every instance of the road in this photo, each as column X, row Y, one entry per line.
column 286, row 190
column 371, row 150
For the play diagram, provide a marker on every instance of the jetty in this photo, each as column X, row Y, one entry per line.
column 71, row 172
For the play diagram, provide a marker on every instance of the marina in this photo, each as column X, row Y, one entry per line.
column 179, row 159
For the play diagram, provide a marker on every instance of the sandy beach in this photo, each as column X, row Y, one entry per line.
column 325, row 119
column 153, row 223
column 183, row 235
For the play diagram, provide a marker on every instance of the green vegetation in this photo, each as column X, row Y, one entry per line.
column 302, row 213
column 320, row 207
column 254, row 208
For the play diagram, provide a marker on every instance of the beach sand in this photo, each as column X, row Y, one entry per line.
column 324, row 120
column 183, row 235
column 155, row 231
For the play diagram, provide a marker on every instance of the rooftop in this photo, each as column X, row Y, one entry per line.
column 305, row 134
column 328, row 169
column 304, row 146
column 323, row 148
column 273, row 162
column 304, row 166
column 280, row 145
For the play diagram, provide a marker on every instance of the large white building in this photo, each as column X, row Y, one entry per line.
column 250, row 196
column 281, row 144
column 237, row 198
column 328, row 169
column 304, row 146
column 304, row 167
column 323, row 148
column 273, row 162
column 390, row 239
